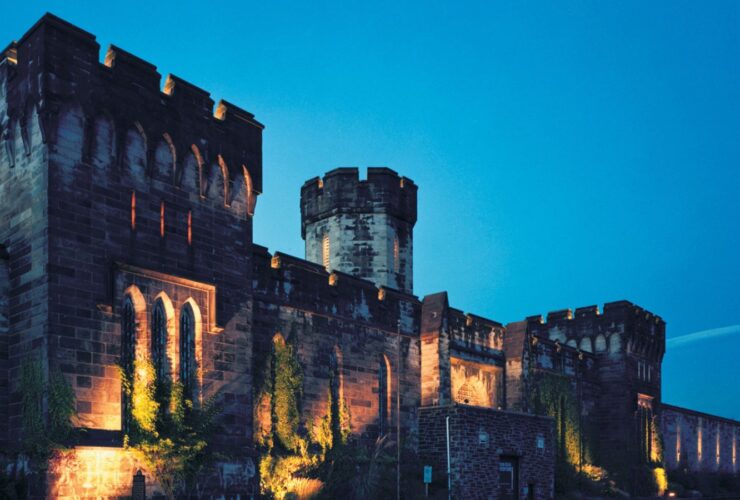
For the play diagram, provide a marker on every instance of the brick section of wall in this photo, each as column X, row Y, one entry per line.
column 362, row 219
column 479, row 437
column 296, row 300
column 699, row 442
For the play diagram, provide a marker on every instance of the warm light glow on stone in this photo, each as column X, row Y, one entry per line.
column 717, row 449
column 93, row 472
column 698, row 442
column 161, row 219
column 133, row 210
column 190, row 227
column 678, row 444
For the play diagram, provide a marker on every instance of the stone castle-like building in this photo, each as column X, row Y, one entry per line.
column 126, row 232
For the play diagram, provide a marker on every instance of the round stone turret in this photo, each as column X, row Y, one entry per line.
column 361, row 227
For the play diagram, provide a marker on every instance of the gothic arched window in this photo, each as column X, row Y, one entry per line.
column 187, row 348
column 159, row 340
column 128, row 352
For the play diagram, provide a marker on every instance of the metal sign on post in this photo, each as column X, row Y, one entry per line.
column 427, row 479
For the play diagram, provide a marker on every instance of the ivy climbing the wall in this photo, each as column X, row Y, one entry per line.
column 553, row 395
column 294, row 459
column 45, row 435
column 167, row 432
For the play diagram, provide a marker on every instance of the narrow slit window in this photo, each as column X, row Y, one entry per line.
column 133, row 210
column 190, row 227
column 161, row 219
column 396, row 255
column 325, row 249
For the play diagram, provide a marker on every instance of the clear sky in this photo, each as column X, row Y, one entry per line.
column 567, row 153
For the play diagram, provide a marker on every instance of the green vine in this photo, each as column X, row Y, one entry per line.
column 167, row 432
column 46, row 434
column 293, row 457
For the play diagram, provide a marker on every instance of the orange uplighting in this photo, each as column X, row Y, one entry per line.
column 161, row 219
column 133, row 210
column 190, row 227
column 92, row 473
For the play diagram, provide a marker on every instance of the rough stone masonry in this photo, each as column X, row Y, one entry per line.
column 124, row 200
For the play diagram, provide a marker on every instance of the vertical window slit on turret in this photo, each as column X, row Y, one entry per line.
column 161, row 219
column 190, row 227
column 325, row 249
column 133, row 210
column 396, row 255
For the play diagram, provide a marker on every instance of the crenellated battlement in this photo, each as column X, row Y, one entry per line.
column 342, row 191
column 53, row 75
column 620, row 325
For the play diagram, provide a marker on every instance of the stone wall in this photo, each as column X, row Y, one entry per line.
column 115, row 182
column 369, row 224
column 24, row 230
column 610, row 351
column 699, row 442
column 321, row 314
column 4, row 333
column 479, row 439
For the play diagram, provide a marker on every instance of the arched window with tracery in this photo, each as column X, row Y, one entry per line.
column 128, row 353
column 187, row 349
column 159, row 340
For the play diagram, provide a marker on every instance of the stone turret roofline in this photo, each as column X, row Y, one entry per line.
column 342, row 191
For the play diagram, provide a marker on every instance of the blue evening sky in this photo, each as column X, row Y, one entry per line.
column 567, row 153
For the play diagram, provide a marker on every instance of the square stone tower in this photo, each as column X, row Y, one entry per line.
column 126, row 207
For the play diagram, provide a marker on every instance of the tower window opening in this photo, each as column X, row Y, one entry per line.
column 396, row 255
column 325, row 249
column 133, row 210
column 161, row 219
column 190, row 227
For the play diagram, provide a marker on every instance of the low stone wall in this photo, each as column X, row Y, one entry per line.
column 699, row 442
column 480, row 440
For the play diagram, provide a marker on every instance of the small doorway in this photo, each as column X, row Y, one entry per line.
column 508, row 478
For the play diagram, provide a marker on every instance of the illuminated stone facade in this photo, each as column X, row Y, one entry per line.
column 126, row 204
